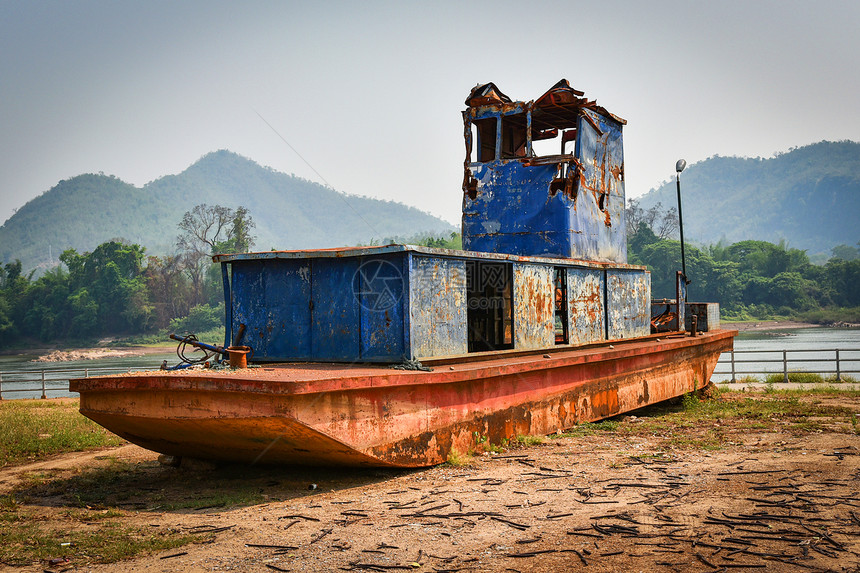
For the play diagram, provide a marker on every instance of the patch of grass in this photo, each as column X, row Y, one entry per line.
column 89, row 516
column 796, row 377
column 458, row 460
column 690, row 402
column 707, row 441
column 822, row 389
column 28, row 541
column 591, row 428
column 35, row 429
column 530, row 440
column 708, row 424
column 843, row 379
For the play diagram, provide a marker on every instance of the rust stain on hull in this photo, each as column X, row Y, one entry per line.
column 382, row 417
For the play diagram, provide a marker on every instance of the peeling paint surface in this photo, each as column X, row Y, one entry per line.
column 533, row 306
column 628, row 303
column 585, row 288
column 437, row 303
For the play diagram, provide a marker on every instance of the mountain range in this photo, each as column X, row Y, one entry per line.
column 808, row 197
column 289, row 212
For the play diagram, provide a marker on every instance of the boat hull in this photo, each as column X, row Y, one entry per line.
column 358, row 415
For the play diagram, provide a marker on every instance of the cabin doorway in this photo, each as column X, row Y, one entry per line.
column 560, row 318
column 489, row 313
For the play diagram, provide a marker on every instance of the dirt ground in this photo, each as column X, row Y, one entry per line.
column 769, row 499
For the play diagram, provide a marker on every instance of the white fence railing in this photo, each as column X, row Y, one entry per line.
column 832, row 362
column 38, row 383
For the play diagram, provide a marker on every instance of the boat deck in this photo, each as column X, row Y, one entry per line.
column 311, row 377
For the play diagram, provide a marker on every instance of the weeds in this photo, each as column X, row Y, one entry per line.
column 35, row 429
column 797, row 377
column 591, row 428
column 530, row 440
column 29, row 541
column 458, row 460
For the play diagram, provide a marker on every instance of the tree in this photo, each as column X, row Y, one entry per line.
column 662, row 224
column 203, row 227
column 205, row 231
column 845, row 252
column 169, row 291
column 239, row 237
column 112, row 278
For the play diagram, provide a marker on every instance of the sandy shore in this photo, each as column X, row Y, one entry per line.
column 769, row 325
column 75, row 354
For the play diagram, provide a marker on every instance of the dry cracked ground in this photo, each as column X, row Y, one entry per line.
column 666, row 489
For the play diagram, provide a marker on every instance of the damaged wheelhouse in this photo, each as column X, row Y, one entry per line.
column 544, row 177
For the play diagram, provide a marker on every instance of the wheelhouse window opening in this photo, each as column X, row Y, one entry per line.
column 545, row 142
column 489, row 306
column 486, row 140
column 561, row 322
column 474, row 143
column 513, row 136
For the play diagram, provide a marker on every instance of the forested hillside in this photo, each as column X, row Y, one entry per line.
column 808, row 197
column 290, row 213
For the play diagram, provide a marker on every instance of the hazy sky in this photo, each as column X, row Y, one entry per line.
column 370, row 93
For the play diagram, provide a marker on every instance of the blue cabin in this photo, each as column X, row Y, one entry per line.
column 544, row 265
column 544, row 177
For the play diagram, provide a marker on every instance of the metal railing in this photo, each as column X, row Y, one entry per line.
column 834, row 361
column 45, row 380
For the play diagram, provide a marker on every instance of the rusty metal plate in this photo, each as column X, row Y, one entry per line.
column 437, row 306
column 585, row 288
column 629, row 304
column 533, row 306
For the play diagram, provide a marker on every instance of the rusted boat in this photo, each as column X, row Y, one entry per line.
column 400, row 355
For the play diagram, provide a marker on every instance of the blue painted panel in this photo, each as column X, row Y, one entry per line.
column 585, row 292
column 513, row 212
column 628, row 303
column 599, row 219
column 272, row 299
column 335, row 315
column 380, row 284
column 437, row 303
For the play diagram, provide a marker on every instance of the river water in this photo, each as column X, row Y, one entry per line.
column 20, row 371
column 807, row 349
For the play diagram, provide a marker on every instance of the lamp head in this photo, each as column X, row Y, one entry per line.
column 680, row 165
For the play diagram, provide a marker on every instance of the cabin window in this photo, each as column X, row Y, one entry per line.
column 513, row 136
column 486, row 141
column 489, row 312
column 561, row 322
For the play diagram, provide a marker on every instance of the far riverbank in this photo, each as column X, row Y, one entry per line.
column 758, row 325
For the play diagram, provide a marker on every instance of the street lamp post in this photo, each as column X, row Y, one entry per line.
column 680, row 166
